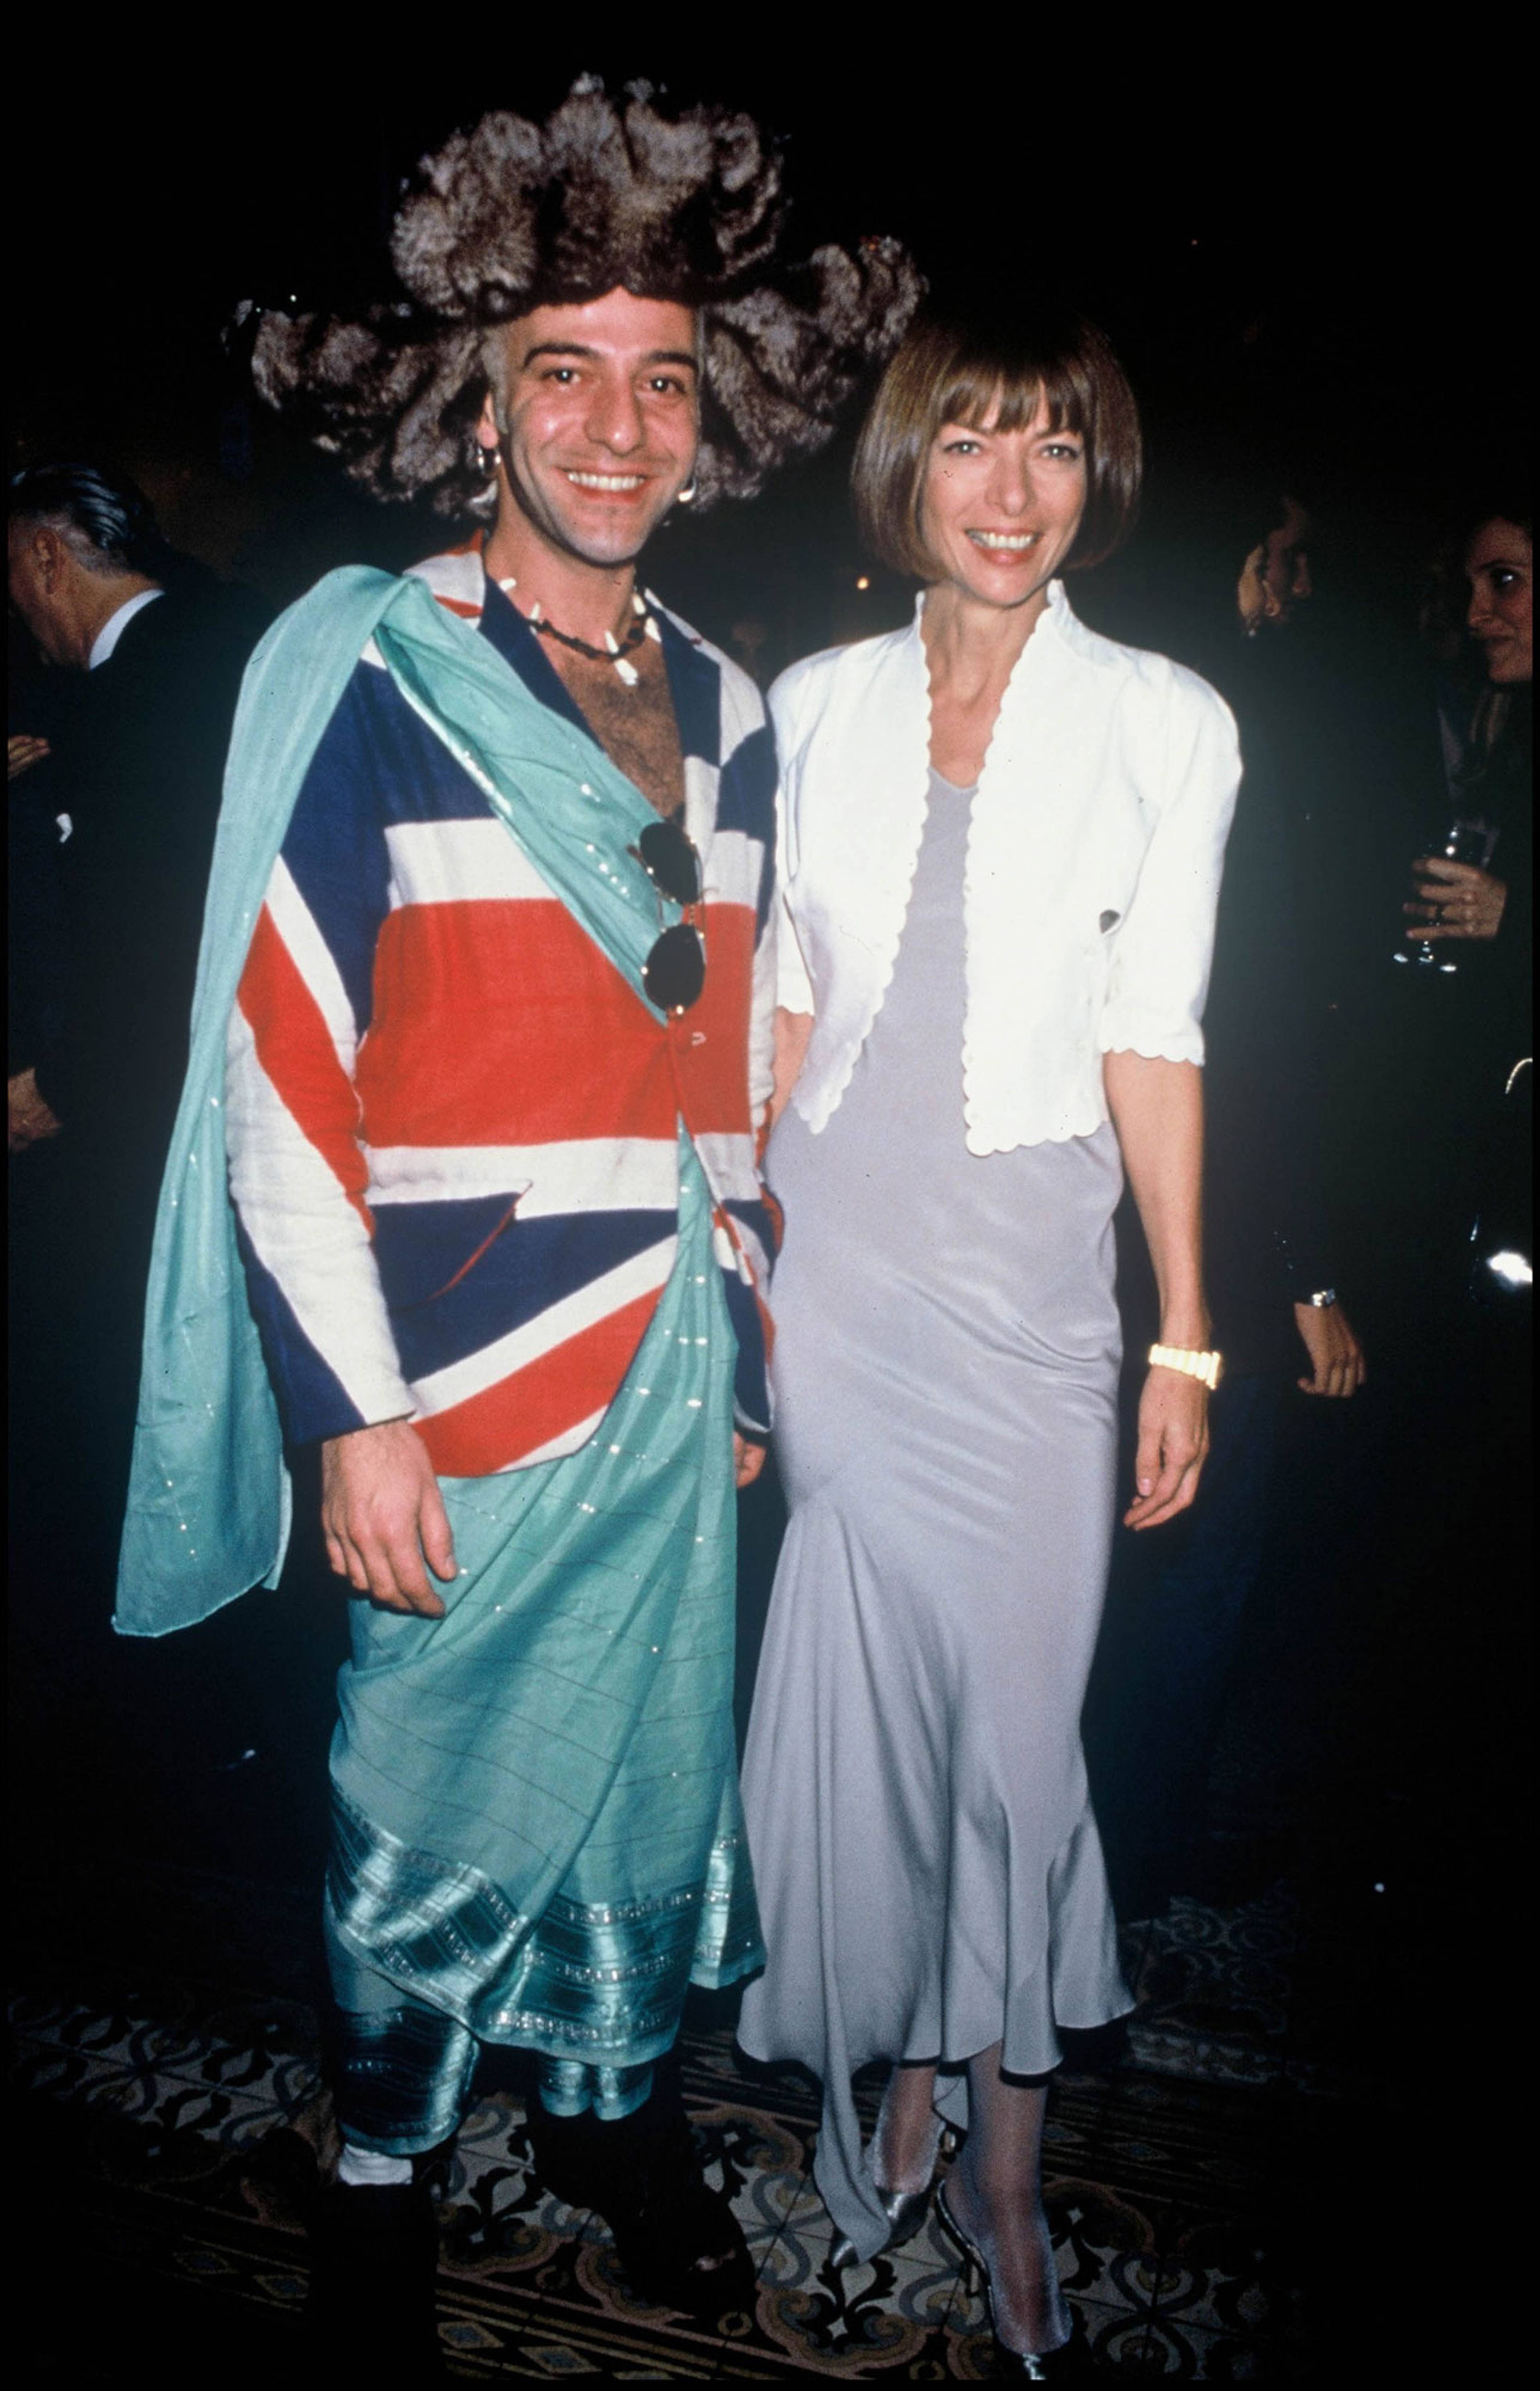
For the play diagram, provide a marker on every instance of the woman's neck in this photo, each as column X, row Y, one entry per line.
column 972, row 648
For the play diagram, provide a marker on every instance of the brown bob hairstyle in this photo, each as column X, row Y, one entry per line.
column 955, row 372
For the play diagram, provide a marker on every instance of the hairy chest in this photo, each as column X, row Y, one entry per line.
column 635, row 725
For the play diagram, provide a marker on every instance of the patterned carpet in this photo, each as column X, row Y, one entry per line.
column 172, row 2136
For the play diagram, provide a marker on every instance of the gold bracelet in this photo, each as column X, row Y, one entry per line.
column 1192, row 1365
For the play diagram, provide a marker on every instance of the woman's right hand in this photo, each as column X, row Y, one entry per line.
column 1455, row 900
column 792, row 1033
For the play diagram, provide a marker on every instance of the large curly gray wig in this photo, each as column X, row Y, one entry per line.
column 608, row 192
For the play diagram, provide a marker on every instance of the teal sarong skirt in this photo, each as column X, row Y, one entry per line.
column 536, row 1832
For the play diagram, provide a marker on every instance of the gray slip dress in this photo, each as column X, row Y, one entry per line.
column 929, row 1874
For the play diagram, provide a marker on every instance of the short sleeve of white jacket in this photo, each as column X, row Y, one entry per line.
column 1160, row 967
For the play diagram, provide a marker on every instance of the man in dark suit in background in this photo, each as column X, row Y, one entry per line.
column 145, row 650
column 140, row 744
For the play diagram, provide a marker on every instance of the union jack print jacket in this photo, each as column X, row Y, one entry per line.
column 452, row 1124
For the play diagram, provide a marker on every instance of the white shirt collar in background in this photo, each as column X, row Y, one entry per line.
column 116, row 624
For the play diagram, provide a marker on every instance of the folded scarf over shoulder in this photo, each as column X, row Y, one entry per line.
column 209, row 1499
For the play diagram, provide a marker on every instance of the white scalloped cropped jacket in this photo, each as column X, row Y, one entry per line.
column 1094, row 849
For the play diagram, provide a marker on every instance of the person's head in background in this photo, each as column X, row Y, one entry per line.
column 1498, row 561
column 1275, row 575
column 1231, row 533
column 80, row 542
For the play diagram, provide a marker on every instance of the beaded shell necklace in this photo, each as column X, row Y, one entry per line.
column 614, row 652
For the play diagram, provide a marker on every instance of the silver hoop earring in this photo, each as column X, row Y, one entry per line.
column 687, row 494
column 486, row 462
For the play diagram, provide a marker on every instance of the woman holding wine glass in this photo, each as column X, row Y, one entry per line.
column 1458, row 897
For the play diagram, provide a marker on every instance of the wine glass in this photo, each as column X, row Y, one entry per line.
column 1468, row 839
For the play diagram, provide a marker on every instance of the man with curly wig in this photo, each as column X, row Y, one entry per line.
column 484, row 1015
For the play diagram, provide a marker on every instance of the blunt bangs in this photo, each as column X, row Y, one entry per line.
column 977, row 384
column 953, row 373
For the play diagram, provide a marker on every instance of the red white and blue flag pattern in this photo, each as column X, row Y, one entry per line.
column 452, row 1124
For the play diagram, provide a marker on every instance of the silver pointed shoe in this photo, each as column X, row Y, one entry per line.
column 905, row 2212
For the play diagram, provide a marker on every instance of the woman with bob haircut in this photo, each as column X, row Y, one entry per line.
column 1001, row 846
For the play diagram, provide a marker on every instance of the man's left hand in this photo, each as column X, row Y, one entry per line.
column 1336, row 1356
column 29, row 1115
column 748, row 1459
column 22, row 750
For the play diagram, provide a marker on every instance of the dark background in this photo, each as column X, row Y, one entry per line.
column 1306, row 261
column 1297, row 259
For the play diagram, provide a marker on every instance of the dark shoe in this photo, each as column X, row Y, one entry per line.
column 566, row 2154
column 373, row 2269
column 677, row 2239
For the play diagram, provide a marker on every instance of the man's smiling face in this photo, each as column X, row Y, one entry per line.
column 600, row 420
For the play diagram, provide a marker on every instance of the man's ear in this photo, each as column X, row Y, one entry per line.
column 1251, row 591
column 51, row 554
column 487, row 431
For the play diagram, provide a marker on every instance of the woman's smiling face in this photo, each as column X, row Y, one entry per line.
column 1499, row 565
column 999, row 510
